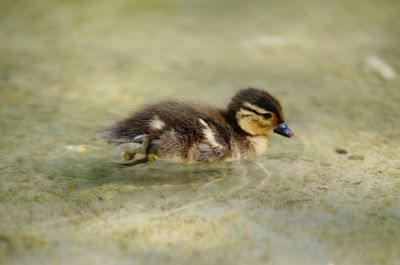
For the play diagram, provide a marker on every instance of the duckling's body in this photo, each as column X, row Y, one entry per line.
column 188, row 133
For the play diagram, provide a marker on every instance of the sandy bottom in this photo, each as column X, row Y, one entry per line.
column 68, row 68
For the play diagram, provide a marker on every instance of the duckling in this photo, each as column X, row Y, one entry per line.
column 189, row 133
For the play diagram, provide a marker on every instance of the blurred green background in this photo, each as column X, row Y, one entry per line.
column 69, row 68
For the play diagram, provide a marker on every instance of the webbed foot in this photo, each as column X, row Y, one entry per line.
column 146, row 159
column 127, row 155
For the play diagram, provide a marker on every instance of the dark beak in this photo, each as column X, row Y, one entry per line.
column 284, row 130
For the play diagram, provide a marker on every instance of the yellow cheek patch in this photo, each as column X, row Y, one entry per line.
column 252, row 123
column 251, row 116
column 263, row 122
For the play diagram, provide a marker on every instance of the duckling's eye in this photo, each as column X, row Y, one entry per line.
column 267, row 115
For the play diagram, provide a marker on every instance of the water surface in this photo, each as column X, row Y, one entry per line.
column 68, row 68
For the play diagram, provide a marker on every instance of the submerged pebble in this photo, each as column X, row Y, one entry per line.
column 374, row 64
column 76, row 148
column 341, row 151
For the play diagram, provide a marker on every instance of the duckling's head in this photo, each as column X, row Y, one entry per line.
column 258, row 113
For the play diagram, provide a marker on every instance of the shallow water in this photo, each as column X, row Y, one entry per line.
column 68, row 68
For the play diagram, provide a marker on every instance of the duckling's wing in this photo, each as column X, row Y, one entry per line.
column 204, row 152
column 178, row 127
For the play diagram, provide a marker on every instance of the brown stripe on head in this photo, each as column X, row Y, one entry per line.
column 260, row 99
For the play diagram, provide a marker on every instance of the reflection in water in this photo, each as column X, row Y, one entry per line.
column 281, row 148
column 180, row 188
